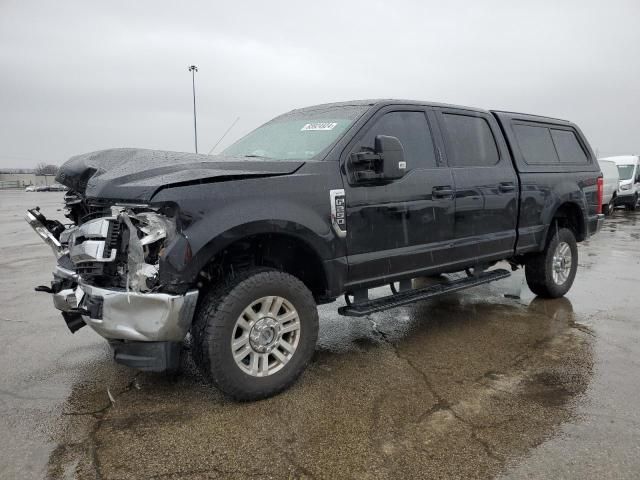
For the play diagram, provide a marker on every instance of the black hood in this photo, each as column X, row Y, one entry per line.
column 135, row 174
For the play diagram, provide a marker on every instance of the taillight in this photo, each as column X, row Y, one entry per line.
column 600, row 195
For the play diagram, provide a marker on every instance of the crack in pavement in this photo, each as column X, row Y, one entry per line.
column 442, row 404
column 92, row 447
column 188, row 473
column 581, row 327
column 294, row 463
column 94, row 412
column 289, row 456
column 99, row 416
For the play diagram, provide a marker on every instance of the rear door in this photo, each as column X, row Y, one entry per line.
column 403, row 226
column 486, row 185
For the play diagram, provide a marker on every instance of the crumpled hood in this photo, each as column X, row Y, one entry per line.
column 135, row 174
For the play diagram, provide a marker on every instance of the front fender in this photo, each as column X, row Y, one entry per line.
column 299, row 209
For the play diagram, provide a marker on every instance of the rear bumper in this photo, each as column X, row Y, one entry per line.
column 595, row 223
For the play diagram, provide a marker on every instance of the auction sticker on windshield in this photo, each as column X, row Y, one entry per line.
column 318, row 126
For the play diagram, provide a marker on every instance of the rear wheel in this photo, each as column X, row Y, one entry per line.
column 254, row 335
column 551, row 272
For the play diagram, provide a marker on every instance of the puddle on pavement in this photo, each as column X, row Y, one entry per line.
column 451, row 387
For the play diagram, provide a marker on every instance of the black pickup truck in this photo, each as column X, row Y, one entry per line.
column 236, row 250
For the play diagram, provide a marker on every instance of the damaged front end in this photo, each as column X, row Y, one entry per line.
column 121, row 250
column 108, row 277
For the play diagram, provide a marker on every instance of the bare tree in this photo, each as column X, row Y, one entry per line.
column 46, row 169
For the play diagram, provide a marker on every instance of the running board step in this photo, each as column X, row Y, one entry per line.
column 425, row 293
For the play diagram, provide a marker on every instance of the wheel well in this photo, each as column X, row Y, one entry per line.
column 279, row 251
column 569, row 215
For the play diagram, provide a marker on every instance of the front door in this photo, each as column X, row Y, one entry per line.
column 403, row 226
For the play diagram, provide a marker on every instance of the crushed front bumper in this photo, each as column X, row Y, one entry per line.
column 121, row 315
column 144, row 328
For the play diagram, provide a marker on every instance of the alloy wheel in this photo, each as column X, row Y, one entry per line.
column 265, row 336
column 561, row 263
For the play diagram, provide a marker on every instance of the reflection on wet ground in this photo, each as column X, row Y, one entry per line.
column 471, row 385
column 446, row 387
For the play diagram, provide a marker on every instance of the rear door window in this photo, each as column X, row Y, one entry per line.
column 470, row 141
column 568, row 148
column 536, row 144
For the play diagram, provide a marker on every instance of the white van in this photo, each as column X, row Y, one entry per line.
column 629, row 186
column 610, row 180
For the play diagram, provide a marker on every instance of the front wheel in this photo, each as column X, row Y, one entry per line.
column 254, row 335
column 551, row 272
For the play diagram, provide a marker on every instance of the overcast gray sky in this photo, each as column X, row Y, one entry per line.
column 77, row 76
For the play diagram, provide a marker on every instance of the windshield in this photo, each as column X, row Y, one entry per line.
column 301, row 134
column 625, row 171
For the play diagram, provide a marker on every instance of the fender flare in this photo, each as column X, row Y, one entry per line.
column 188, row 269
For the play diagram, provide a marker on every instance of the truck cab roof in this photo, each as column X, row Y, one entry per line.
column 381, row 102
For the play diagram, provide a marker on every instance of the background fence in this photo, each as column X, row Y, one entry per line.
column 10, row 184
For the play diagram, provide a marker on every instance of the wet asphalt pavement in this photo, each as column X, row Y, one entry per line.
column 483, row 383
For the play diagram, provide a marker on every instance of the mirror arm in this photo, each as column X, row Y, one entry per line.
column 364, row 166
column 365, row 157
column 367, row 176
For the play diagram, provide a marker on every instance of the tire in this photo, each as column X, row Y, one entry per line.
column 539, row 269
column 217, row 323
column 609, row 207
column 634, row 202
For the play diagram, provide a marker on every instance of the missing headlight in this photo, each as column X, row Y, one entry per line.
column 147, row 233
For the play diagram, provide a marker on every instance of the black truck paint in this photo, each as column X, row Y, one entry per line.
column 457, row 205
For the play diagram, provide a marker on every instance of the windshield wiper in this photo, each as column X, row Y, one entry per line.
column 255, row 156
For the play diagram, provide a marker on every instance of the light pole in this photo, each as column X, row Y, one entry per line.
column 193, row 69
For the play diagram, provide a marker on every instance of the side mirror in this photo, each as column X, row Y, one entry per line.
column 392, row 155
column 386, row 162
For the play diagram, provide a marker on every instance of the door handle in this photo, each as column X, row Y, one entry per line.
column 442, row 192
column 506, row 187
